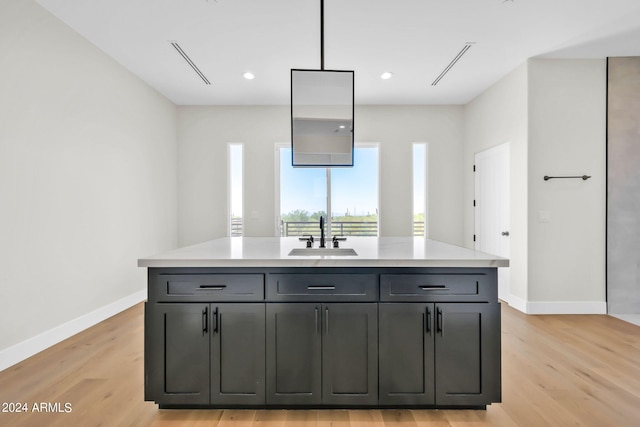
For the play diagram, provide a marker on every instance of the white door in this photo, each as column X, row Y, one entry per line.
column 492, row 208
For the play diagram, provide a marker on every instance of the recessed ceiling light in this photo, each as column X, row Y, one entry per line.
column 249, row 76
column 386, row 75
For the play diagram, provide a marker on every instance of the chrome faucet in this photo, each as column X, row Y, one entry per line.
column 322, row 231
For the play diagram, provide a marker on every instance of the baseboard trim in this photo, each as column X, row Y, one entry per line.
column 567, row 307
column 557, row 307
column 27, row 348
column 517, row 303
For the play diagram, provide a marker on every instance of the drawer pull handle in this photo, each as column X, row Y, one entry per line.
column 212, row 287
column 321, row 288
column 434, row 288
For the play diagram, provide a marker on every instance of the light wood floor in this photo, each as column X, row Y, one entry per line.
column 556, row 371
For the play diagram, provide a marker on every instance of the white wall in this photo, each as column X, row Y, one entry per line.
column 567, row 136
column 87, row 178
column 497, row 116
column 553, row 114
column 396, row 128
column 203, row 134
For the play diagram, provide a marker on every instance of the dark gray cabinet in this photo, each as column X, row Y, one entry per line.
column 294, row 354
column 177, row 354
column 467, row 353
column 407, row 354
column 350, row 354
column 443, row 354
column 258, row 337
column 201, row 354
column 238, row 354
column 322, row 353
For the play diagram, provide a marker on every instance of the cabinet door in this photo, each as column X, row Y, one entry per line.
column 407, row 354
column 350, row 354
column 467, row 354
column 294, row 354
column 237, row 354
column 177, row 354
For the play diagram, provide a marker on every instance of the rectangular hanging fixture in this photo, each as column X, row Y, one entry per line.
column 452, row 63
column 322, row 111
column 190, row 62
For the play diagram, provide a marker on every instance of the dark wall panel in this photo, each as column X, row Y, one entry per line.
column 623, row 186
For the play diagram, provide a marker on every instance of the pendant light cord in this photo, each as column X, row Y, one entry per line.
column 322, row 34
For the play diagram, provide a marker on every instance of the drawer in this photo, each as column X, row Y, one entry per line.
column 436, row 287
column 322, row 287
column 207, row 287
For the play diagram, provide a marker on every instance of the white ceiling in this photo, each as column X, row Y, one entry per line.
column 413, row 39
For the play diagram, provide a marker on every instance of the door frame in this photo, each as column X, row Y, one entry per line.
column 503, row 149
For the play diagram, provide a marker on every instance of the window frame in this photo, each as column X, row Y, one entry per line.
column 230, row 194
column 425, row 183
column 279, row 145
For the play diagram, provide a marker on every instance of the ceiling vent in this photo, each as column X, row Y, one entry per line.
column 190, row 62
column 452, row 63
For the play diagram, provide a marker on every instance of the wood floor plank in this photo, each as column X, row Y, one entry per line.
column 398, row 418
column 497, row 416
column 269, row 418
column 365, row 418
column 430, row 418
column 237, row 418
column 302, row 418
column 561, row 373
column 556, row 370
column 333, row 418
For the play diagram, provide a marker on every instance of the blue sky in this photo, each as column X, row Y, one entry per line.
column 354, row 189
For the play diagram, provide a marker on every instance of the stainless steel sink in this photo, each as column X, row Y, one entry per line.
column 323, row 251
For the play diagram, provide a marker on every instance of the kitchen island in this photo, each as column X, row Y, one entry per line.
column 240, row 323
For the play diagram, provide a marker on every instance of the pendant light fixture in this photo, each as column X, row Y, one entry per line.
column 322, row 110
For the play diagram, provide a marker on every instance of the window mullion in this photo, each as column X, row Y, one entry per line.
column 328, row 204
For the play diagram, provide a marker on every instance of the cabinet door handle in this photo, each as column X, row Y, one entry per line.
column 321, row 288
column 434, row 288
column 428, row 321
column 212, row 287
column 205, row 320
column 439, row 322
column 317, row 323
column 216, row 325
column 326, row 320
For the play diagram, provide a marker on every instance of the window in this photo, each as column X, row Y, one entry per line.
column 350, row 194
column 420, row 189
column 235, row 190
column 354, row 195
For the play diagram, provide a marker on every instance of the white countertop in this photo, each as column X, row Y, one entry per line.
column 371, row 252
